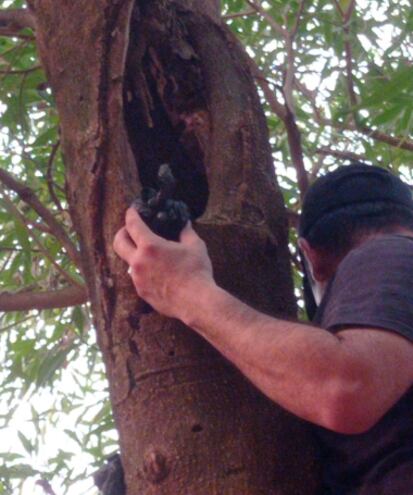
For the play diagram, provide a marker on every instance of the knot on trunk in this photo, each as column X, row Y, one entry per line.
column 155, row 467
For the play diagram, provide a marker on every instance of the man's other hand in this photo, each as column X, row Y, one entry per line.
column 163, row 271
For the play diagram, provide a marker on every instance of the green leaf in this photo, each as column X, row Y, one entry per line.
column 388, row 115
column 19, row 471
column 48, row 367
column 28, row 447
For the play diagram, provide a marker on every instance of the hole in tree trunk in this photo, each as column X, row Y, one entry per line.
column 164, row 107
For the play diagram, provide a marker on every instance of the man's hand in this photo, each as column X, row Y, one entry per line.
column 163, row 270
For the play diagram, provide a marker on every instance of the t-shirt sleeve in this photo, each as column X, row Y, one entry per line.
column 373, row 287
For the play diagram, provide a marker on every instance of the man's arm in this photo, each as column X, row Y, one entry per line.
column 345, row 382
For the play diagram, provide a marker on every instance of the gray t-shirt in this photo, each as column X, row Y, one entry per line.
column 373, row 287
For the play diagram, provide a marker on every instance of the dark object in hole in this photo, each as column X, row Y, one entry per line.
column 197, row 429
column 163, row 214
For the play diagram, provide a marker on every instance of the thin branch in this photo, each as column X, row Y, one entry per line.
column 246, row 13
column 6, row 262
column 29, row 197
column 345, row 14
column 285, row 112
column 28, row 300
column 310, row 95
column 289, row 76
column 317, row 166
column 16, row 213
column 271, row 21
column 269, row 93
column 290, row 62
column 12, row 49
column 12, row 34
column 297, row 154
column 345, row 155
column 49, row 176
column 349, row 72
column 8, row 72
column 16, row 250
column 16, row 20
column 14, row 324
column 298, row 18
column 397, row 142
column 40, row 226
column 348, row 54
column 402, row 143
column 293, row 133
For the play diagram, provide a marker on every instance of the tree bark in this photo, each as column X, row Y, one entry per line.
column 138, row 85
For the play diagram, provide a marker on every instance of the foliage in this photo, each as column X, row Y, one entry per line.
column 348, row 84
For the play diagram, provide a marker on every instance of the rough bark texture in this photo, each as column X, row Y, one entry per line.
column 177, row 90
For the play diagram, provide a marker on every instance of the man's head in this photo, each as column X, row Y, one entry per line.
column 345, row 207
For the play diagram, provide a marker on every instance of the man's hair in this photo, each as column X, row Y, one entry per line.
column 340, row 230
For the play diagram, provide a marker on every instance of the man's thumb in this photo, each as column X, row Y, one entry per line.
column 188, row 234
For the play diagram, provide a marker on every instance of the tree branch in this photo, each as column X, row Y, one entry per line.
column 402, row 143
column 290, row 71
column 15, row 323
column 269, row 93
column 12, row 21
column 271, row 21
column 298, row 18
column 8, row 72
column 345, row 14
column 285, row 112
column 297, row 154
column 17, row 18
column 49, row 175
column 348, row 52
column 17, row 214
column 346, row 155
column 27, row 301
column 293, row 133
column 245, row 13
column 396, row 142
column 29, row 197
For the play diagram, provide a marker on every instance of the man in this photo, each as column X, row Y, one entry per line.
column 351, row 373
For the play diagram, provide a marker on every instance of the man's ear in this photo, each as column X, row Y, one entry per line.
column 319, row 264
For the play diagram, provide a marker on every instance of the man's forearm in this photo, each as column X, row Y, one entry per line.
column 345, row 382
column 298, row 366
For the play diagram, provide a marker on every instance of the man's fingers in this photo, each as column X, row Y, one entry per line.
column 136, row 227
column 123, row 245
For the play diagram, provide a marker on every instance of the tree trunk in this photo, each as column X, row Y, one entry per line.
column 137, row 86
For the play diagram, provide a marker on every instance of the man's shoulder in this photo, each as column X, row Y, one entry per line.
column 373, row 287
column 380, row 249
